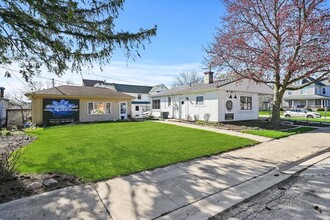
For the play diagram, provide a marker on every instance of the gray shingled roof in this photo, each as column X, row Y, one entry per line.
column 132, row 88
column 200, row 87
column 322, row 82
column 91, row 82
column 120, row 87
column 81, row 91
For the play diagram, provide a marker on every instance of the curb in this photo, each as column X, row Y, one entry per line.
column 217, row 203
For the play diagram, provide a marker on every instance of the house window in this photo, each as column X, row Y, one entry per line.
column 297, row 83
column 199, row 100
column 139, row 96
column 137, row 108
column 99, row 108
column 156, row 104
column 169, row 101
column 246, row 103
column 290, row 93
column 318, row 102
column 324, row 91
column 303, row 90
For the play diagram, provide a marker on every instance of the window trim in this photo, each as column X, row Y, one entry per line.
column 139, row 96
column 104, row 103
column 198, row 102
column 247, row 103
column 153, row 105
column 324, row 90
column 169, row 101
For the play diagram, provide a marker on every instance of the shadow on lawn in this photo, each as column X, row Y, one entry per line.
column 151, row 194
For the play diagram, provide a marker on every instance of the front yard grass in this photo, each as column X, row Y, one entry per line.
column 278, row 134
column 105, row 150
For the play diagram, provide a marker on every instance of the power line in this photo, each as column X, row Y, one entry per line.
column 116, row 79
column 41, row 77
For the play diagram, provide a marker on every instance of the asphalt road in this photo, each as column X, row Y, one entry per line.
column 304, row 196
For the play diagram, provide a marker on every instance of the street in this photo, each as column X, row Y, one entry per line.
column 303, row 196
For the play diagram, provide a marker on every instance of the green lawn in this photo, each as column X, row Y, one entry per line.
column 278, row 134
column 104, row 150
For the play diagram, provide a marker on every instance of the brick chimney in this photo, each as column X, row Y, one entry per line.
column 208, row 77
column 2, row 92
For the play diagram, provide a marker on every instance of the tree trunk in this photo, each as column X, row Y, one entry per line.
column 276, row 113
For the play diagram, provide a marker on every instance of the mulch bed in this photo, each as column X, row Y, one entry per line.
column 242, row 125
column 28, row 185
column 23, row 185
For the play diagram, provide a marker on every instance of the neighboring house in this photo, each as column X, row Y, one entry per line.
column 314, row 96
column 141, row 94
column 3, row 107
column 66, row 104
column 218, row 101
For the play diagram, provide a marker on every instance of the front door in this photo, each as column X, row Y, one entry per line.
column 123, row 110
column 182, row 109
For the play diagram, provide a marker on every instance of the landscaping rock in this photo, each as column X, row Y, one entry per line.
column 34, row 186
column 50, row 182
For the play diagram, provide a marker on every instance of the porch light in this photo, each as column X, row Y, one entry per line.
column 231, row 94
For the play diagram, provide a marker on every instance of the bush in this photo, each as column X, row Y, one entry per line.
column 196, row 117
column 8, row 159
column 207, row 117
column 320, row 109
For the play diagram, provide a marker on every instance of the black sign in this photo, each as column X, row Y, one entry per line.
column 60, row 111
column 229, row 116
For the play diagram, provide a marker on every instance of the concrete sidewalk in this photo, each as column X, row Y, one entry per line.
column 217, row 130
column 196, row 189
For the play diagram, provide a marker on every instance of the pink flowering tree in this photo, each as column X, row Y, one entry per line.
column 277, row 42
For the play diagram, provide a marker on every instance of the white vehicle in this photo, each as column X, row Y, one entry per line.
column 146, row 113
column 302, row 113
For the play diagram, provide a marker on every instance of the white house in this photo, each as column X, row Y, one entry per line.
column 218, row 101
column 314, row 96
column 141, row 101
column 3, row 107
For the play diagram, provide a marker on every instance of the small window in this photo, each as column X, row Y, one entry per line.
column 199, row 100
column 290, row 93
column 137, row 108
column 303, row 90
column 99, row 108
column 139, row 96
column 156, row 104
column 246, row 103
column 324, row 91
column 169, row 100
column 108, row 107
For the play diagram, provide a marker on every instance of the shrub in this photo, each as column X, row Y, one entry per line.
column 207, row 117
column 196, row 117
column 200, row 122
column 320, row 109
column 8, row 159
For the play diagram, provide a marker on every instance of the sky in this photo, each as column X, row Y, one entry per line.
column 184, row 28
